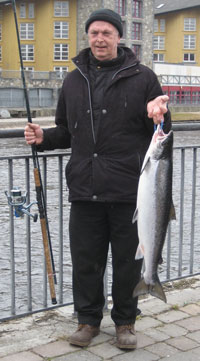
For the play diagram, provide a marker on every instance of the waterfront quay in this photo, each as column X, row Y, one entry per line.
column 167, row 332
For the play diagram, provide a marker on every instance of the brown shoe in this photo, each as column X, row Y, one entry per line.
column 126, row 336
column 83, row 335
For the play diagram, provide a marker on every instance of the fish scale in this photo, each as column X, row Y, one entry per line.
column 154, row 210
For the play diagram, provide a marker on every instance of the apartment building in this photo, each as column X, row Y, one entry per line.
column 47, row 31
column 177, row 32
column 52, row 32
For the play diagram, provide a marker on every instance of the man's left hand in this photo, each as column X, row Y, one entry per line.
column 157, row 108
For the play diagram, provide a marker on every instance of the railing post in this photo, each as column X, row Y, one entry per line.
column 12, row 243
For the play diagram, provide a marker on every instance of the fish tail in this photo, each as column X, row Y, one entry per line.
column 141, row 288
column 155, row 290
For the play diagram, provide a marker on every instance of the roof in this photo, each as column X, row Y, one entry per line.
column 166, row 6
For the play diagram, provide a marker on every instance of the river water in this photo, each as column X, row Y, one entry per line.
column 17, row 146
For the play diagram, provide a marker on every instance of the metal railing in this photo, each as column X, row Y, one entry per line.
column 31, row 74
column 23, row 285
column 190, row 80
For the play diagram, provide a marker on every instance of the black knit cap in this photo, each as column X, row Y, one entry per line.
column 106, row 15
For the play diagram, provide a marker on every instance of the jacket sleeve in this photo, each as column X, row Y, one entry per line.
column 57, row 137
column 155, row 90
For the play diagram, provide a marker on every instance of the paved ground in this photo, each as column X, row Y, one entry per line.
column 167, row 332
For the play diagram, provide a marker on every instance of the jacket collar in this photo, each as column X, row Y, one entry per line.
column 82, row 59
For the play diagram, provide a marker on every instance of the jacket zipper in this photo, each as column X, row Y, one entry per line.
column 89, row 94
column 90, row 102
column 119, row 71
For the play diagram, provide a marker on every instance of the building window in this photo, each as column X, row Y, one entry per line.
column 120, row 6
column 31, row 11
column 155, row 25
column 0, row 32
column 190, row 24
column 61, row 30
column 159, row 43
column 1, row 13
column 61, row 8
column 137, row 50
column 124, row 29
column 137, row 8
column 29, row 68
column 189, row 57
column 189, row 41
column 27, row 31
column 61, row 52
column 22, row 10
column 158, row 57
column 0, row 53
column 195, row 97
column 136, row 31
column 27, row 52
column 162, row 25
column 60, row 71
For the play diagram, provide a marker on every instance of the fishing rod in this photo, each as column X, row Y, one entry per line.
column 38, row 181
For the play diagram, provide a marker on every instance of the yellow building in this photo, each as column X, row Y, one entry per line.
column 177, row 32
column 47, row 31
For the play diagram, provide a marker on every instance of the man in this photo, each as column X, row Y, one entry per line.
column 103, row 114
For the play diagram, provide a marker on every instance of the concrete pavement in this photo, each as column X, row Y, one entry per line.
column 167, row 332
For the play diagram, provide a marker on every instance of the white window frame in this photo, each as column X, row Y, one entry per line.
column 61, row 71
column 159, row 43
column 155, row 25
column 61, row 52
column 160, row 57
column 61, row 8
column 27, row 31
column 189, row 41
column 189, row 58
column 162, row 25
column 61, row 30
column 27, row 52
column 29, row 68
column 190, row 24
column 22, row 10
column 31, row 11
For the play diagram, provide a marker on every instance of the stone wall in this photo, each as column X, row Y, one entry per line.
column 87, row 6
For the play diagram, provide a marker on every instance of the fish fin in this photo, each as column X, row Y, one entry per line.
column 139, row 252
column 135, row 216
column 141, row 289
column 172, row 214
column 157, row 291
column 146, row 161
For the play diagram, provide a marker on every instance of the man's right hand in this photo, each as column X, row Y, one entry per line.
column 33, row 134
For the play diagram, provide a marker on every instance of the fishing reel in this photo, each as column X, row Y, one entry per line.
column 17, row 200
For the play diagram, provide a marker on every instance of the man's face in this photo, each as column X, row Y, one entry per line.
column 103, row 40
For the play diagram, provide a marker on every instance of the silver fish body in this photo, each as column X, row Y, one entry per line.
column 154, row 210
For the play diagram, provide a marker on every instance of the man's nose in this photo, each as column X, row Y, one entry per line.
column 100, row 37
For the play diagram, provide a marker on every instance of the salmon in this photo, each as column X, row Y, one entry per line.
column 154, row 210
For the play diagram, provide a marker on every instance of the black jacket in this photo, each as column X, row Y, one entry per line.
column 105, row 166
